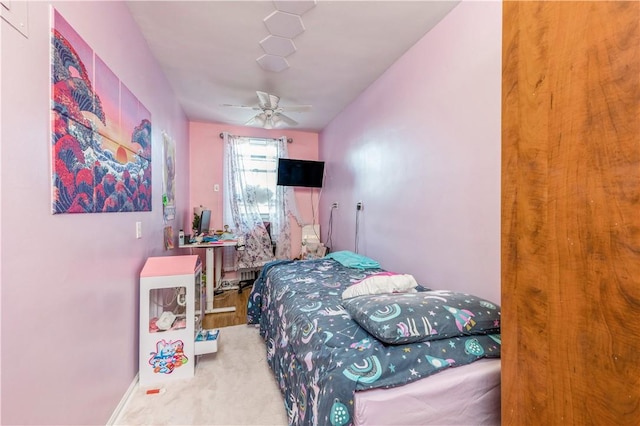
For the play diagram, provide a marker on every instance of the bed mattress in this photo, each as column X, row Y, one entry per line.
column 436, row 400
column 322, row 357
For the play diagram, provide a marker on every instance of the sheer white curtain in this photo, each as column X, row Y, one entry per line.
column 283, row 207
column 241, row 209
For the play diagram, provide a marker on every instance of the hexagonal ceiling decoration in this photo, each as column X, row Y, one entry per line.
column 295, row 7
column 284, row 24
column 279, row 46
column 273, row 63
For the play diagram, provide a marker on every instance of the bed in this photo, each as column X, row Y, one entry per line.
column 333, row 368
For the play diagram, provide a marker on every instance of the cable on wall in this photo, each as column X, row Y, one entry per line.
column 330, row 227
column 313, row 215
column 358, row 210
column 357, row 225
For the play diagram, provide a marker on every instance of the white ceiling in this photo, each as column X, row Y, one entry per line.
column 209, row 52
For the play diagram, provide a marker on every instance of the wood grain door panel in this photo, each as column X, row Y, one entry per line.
column 571, row 213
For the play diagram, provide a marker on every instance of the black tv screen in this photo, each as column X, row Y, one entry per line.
column 300, row 172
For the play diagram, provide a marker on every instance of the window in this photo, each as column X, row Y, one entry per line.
column 252, row 197
column 259, row 162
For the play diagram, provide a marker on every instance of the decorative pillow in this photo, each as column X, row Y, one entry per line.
column 353, row 260
column 383, row 282
column 417, row 317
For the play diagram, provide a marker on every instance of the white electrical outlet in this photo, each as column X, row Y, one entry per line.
column 334, row 205
column 138, row 230
column 216, row 187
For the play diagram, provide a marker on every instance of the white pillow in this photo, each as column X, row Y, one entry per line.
column 384, row 282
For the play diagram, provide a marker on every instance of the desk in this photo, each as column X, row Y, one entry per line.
column 213, row 256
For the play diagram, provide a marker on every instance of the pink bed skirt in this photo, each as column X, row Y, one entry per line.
column 465, row 395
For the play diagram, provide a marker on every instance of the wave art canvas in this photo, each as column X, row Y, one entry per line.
column 100, row 132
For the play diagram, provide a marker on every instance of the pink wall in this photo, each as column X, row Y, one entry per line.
column 421, row 148
column 207, row 165
column 70, row 282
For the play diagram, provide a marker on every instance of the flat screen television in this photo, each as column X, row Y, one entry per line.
column 300, row 172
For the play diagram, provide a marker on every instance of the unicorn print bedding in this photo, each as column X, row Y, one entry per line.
column 323, row 348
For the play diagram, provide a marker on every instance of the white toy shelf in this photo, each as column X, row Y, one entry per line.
column 172, row 302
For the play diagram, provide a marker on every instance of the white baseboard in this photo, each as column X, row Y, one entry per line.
column 123, row 402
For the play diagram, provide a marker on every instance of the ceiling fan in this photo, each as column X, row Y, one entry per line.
column 271, row 114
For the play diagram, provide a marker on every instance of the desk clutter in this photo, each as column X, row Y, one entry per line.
column 200, row 231
column 184, row 239
column 213, row 243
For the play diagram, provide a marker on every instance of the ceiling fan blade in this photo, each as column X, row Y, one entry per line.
column 273, row 101
column 264, row 100
column 257, row 120
column 251, row 122
column 241, row 106
column 295, row 108
column 287, row 120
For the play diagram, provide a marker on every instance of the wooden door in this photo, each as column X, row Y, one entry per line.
column 571, row 213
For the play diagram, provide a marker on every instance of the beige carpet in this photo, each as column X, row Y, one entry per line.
column 234, row 386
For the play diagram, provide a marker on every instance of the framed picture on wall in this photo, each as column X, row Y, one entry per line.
column 168, row 178
column 100, row 132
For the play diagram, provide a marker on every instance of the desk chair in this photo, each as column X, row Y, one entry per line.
column 248, row 275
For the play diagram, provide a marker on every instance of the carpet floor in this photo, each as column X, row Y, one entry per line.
column 234, row 386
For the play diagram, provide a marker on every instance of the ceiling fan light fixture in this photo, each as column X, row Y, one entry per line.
column 271, row 114
column 260, row 119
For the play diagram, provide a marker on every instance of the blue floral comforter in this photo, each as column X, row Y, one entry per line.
column 320, row 356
